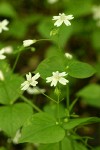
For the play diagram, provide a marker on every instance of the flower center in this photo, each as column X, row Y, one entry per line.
column 62, row 17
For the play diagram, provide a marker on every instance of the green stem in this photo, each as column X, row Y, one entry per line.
column 15, row 62
column 60, row 145
column 67, row 97
column 46, row 96
column 30, row 103
column 58, row 112
column 43, row 40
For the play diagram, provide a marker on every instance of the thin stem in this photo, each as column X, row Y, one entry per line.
column 46, row 96
column 15, row 62
column 58, row 111
column 30, row 103
column 43, row 40
column 60, row 145
column 67, row 99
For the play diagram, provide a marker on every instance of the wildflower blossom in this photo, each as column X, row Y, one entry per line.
column 2, row 56
column 57, row 77
column 96, row 14
column 29, row 42
column 62, row 18
column 30, row 81
column 17, row 136
column 35, row 90
column 69, row 56
column 8, row 49
column 3, row 25
column 1, row 75
column 52, row 1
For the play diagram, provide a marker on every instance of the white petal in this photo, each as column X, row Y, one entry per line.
column 67, row 23
column 63, row 81
column 54, row 83
column 5, row 22
column 34, row 83
column 69, row 17
column 2, row 51
column 24, row 83
column 28, row 76
column 49, row 79
column 2, row 56
column 58, row 23
column 36, row 76
column 56, row 17
column 62, row 74
column 25, row 87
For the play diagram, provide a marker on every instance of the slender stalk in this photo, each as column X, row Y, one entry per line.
column 15, row 63
column 43, row 40
column 30, row 103
column 60, row 145
column 58, row 111
column 46, row 96
column 67, row 98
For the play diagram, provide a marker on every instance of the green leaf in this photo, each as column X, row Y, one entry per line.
column 42, row 128
column 80, row 122
column 18, row 28
column 51, row 64
column 80, row 70
column 10, row 89
column 3, row 148
column 47, row 25
column 60, row 63
column 52, row 110
column 91, row 99
column 95, row 39
column 5, row 68
column 13, row 117
column 6, row 9
column 66, row 143
column 79, row 8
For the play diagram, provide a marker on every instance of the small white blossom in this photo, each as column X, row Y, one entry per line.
column 8, row 49
column 69, row 56
column 17, row 136
column 96, row 14
column 62, row 18
column 52, row 1
column 1, row 75
column 35, row 90
column 3, row 25
column 2, row 56
column 29, row 42
column 30, row 81
column 57, row 77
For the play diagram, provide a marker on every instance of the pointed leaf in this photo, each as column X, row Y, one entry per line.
column 80, row 70
column 80, row 122
column 12, row 117
column 42, row 128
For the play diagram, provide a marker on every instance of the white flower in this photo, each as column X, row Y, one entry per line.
column 62, row 18
column 17, row 136
column 57, row 77
column 35, row 90
column 30, row 81
column 8, row 49
column 29, row 42
column 2, row 56
column 96, row 12
column 1, row 75
column 3, row 25
column 52, row 1
column 69, row 56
